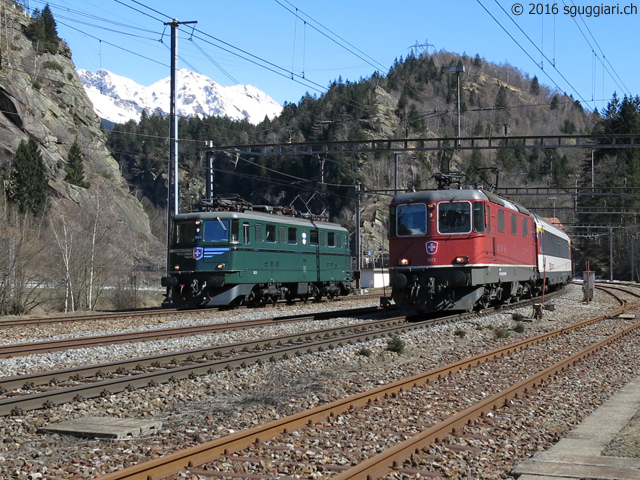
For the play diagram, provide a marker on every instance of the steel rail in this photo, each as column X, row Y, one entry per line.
column 100, row 316
column 21, row 349
column 201, row 454
column 83, row 317
column 390, row 459
column 190, row 355
column 45, row 399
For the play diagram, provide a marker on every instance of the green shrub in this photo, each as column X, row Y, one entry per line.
column 502, row 332
column 460, row 333
column 518, row 317
column 519, row 328
column 396, row 345
column 51, row 65
column 365, row 352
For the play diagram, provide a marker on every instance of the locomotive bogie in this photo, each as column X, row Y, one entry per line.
column 250, row 258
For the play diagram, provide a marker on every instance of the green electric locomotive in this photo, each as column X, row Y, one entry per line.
column 248, row 257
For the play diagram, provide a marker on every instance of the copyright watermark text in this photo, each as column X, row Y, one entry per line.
column 573, row 10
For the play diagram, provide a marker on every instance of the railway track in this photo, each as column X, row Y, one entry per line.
column 160, row 334
column 391, row 430
column 10, row 322
column 50, row 388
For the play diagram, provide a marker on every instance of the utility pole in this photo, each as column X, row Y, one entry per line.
column 395, row 173
column 611, row 254
column 457, row 70
column 633, row 258
column 173, row 207
column 357, row 239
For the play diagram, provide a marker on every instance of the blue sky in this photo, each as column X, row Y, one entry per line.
column 290, row 47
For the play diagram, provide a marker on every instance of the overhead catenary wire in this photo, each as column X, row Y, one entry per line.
column 626, row 90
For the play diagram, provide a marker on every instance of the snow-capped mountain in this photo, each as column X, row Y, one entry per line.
column 119, row 99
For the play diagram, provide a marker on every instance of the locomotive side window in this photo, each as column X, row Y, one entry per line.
column 271, row 233
column 293, row 235
column 500, row 220
column 331, row 239
column 313, row 237
column 282, row 234
column 514, row 224
column 525, row 228
column 454, row 217
column 323, row 239
column 235, row 230
column 488, row 208
column 246, row 238
column 216, row 230
column 478, row 217
column 412, row 219
column 258, row 233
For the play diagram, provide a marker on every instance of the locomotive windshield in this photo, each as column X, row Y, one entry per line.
column 454, row 217
column 216, row 230
column 412, row 219
column 192, row 231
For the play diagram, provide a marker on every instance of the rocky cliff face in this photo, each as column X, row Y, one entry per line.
column 41, row 95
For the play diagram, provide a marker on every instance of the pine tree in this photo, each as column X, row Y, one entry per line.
column 534, row 88
column 29, row 185
column 42, row 31
column 75, row 166
column 502, row 103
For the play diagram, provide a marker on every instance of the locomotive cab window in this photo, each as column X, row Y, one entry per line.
column 478, row 217
column 454, row 217
column 293, row 235
column 514, row 224
column 313, row 237
column 184, row 232
column 216, row 230
column 412, row 219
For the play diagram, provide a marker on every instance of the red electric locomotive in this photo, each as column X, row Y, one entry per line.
column 464, row 248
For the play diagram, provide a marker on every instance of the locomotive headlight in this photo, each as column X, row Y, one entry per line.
column 220, row 266
column 462, row 260
column 403, row 262
column 176, row 267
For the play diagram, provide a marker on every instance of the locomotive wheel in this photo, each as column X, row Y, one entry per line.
column 236, row 302
column 483, row 302
column 315, row 293
column 252, row 300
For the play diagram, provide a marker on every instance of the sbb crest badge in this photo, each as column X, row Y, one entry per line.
column 198, row 253
column 432, row 247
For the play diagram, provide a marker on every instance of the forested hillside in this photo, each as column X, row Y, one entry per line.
column 413, row 100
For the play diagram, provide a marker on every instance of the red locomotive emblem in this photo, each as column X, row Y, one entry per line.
column 198, row 253
column 432, row 247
